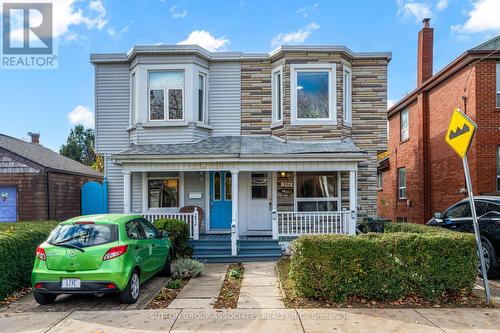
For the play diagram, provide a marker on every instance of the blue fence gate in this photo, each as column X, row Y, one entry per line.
column 95, row 198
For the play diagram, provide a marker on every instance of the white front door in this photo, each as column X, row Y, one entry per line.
column 257, row 199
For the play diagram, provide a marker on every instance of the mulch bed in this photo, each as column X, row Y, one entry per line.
column 292, row 300
column 166, row 296
column 230, row 291
column 15, row 296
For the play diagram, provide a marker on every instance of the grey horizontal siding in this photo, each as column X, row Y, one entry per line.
column 225, row 98
column 163, row 135
column 192, row 183
column 115, row 188
column 136, row 191
column 112, row 107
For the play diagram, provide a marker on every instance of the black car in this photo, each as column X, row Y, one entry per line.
column 458, row 217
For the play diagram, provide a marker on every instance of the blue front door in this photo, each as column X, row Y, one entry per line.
column 220, row 200
column 8, row 204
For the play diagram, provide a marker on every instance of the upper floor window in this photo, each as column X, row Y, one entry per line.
column 277, row 93
column 166, row 95
column 202, row 100
column 132, row 101
column 498, row 168
column 347, row 95
column 498, row 84
column 313, row 94
column 405, row 134
column 402, row 183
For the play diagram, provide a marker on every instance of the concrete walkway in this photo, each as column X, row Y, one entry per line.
column 263, row 320
column 260, row 289
column 202, row 292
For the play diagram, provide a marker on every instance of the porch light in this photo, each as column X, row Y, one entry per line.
column 283, row 173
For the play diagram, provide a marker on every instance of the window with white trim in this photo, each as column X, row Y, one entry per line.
column 166, row 95
column 347, row 95
column 498, row 168
column 380, row 180
column 277, row 94
column 132, row 99
column 498, row 84
column 317, row 192
column 404, row 125
column 313, row 94
column 163, row 192
column 402, row 183
column 202, row 97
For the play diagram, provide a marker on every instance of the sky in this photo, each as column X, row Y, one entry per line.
column 54, row 101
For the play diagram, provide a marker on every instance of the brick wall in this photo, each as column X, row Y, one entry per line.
column 444, row 169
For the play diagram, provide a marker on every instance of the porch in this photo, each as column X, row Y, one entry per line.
column 276, row 194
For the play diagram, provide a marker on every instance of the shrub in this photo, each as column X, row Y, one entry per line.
column 174, row 284
column 18, row 242
column 185, row 268
column 235, row 273
column 178, row 233
column 426, row 262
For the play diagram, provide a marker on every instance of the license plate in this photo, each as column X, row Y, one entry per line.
column 70, row 283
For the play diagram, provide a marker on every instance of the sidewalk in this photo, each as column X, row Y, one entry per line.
column 257, row 320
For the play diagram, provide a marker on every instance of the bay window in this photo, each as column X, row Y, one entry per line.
column 347, row 96
column 202, row 100
column 313, row 94
column 316, row 192
column 163, row 192
column 166, row 95
column 277, row 95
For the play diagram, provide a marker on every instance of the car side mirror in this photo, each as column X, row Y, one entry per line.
column 163, row 234
column 438, row 216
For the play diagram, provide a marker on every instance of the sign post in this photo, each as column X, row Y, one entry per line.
column 459, row 137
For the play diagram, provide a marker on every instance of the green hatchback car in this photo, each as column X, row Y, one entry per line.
column 100, row 254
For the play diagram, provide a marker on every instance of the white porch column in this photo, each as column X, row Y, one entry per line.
column 234, row 220
column 274, row 204
column 353, row 195
column 127, row 188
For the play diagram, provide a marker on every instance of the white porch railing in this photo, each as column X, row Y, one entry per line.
column 313, row 223
column 192, row 219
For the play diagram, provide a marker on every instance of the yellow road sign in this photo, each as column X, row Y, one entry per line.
column 460, row 132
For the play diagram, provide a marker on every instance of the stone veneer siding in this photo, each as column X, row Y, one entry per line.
column 369, row 110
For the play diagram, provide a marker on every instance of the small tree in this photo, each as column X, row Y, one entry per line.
column 80, row 147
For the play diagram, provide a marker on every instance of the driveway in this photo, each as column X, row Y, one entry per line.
column 70, row 303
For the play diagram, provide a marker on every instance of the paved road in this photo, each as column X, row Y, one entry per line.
column 256, row 320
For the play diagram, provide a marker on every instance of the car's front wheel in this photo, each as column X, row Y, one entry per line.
column 167, row 269
column 44, row 299
column 489, row 260
column 131, row 293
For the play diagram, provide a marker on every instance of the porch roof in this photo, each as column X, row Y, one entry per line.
column 243, row 146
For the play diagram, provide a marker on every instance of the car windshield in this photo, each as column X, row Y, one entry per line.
column 83, row 235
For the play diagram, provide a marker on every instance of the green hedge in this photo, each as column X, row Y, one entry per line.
column 18, row 242
column 424, row 261
column 178, row 233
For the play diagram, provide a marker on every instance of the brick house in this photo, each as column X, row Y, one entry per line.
column 36, row 183
column 420, row 174
column 265, row 146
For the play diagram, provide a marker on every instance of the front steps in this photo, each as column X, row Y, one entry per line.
column 248, row 250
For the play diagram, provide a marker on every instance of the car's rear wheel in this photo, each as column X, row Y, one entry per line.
column 167, row 269
column 131, row 293
column 44, row 299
